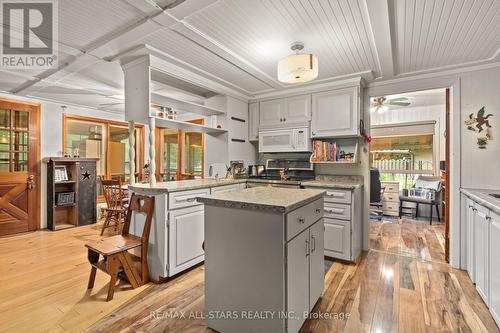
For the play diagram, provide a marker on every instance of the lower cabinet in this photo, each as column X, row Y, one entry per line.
column 338, row 239
column 494, row 267
column 305, row 273
column 470, row 238
column 481, row 248
column 186, row 235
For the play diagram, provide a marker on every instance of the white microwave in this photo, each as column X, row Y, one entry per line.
column 285, row 140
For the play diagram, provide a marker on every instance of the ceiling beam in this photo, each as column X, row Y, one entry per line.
column 379, row 13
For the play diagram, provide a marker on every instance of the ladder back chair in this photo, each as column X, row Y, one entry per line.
column 116, row 200
column 115, row 249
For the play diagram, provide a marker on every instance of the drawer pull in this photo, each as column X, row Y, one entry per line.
column 302, row 220
column 313, row 243
column 335, row 211
column 190, row 199
column 336, row 195
column 307, row 248
column 318, row 210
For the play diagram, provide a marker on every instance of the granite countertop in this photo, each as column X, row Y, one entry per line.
column 342, row 182
column 182, row 185
column 270, row 199
column 482, row 198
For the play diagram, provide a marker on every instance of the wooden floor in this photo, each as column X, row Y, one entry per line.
column 43, row 283
column 409, row 237
column 384, row 293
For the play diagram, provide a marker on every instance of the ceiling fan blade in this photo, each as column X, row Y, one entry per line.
column 399, row 100
column 111, row 104
column 399, row 103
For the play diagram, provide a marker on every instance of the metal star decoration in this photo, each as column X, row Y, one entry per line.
column 86, row 175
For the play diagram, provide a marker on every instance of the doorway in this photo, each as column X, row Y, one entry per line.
column 408, row 153
column 19, row 167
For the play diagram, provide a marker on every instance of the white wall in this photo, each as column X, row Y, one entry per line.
column 481, row 167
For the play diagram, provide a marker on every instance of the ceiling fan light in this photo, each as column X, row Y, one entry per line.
column 298, row 68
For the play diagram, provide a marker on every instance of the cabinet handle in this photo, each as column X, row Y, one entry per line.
column 318, row 210
column 302, row 220
column 190, row 199
column 307, row 248
column 313, row 243
column 314, row 133
column 488, row 218
column 284, row 119
column 281, row 119
column 474, row 209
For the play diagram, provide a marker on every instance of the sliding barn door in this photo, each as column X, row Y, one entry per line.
column 19, row 167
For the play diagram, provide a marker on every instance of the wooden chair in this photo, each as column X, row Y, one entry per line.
column 114, row 249
column 115, row 200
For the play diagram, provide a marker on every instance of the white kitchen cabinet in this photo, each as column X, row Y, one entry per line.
column 271, row 113
column 297, row 110
column 186, row 235
column 298, row 278
column 481, row 247
column 494, row 268
column 338, row 239
column 316, row 262
column 285, row 112
column 253, row 121
column 335, row 113
column 470, row 237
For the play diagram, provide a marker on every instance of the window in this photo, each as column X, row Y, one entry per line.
column 106, row 140
column 180, row 154
column 14, row 140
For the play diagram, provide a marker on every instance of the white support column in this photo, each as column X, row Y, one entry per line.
column 152, row 152
column 131, row 137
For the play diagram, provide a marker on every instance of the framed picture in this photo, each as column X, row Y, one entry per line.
column 60, row 174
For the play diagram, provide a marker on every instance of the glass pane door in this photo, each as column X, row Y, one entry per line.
column 169, row 150
column 14, row 140
column 192, row 159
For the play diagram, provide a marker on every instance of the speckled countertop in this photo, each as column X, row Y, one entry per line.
column 270, row 199
column 182, row 185
column 330, row 181
column 483, row 198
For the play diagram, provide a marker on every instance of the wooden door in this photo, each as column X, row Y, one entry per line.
column 298, row 279
column 335, row 113
column 19, row 167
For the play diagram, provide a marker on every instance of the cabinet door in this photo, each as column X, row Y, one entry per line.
column 276, row 141
column 298, row 109
column 298, row 279
column 470, row 238
column 335, row 113
column 86, row 192
column 253, row 121
column 481, row 248
column 494, row 268
column 186, row 235
column 316, row 262
column 271, row 113
column 338, row 239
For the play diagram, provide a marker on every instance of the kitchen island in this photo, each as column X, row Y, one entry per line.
column 175, row 241
column 264, row 258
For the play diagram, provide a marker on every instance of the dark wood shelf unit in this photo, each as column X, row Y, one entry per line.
column 82, row 210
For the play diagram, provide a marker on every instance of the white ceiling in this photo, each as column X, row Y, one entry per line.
column 238, row 42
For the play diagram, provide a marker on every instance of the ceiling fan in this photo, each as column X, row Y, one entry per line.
column 381, row 103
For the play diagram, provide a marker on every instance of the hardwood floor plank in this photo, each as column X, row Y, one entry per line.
column 386, row 314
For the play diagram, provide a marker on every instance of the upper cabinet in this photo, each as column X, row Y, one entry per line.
column 253, row 121
column 285, row 111
column 335, row 113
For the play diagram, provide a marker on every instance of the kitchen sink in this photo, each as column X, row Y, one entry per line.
column 495, row 195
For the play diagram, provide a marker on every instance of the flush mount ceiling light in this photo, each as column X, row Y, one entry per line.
column 298, row 68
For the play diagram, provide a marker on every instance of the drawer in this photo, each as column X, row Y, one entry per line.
column 390, row 197
column 183, row 199
column 338, row 211
column 391, row 212
column 303, row 217
column 338, row 196
column 227, row 188
column 393, row 206
column 391, row 187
